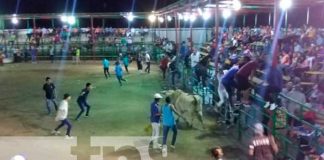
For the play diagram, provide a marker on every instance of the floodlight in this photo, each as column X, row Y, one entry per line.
column 71, row 20
column 130, row 17
column 192, row 17
column 226, row 13
column 285, row 4
column 180, row 16
column 200, row 12
column 206, row 15
column 237, row 5
column 14, row 20
column 152, row 18
column 169, row 18
column 186, row 17
column 64, row 18
column 161, row 19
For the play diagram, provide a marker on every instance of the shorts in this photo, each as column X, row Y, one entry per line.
column 242, row 83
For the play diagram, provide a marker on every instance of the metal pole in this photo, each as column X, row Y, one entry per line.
column 307, row 18
column 92, row 38
column 216, row 36
column 286, row 22
column 244, row 20
column 255, row 20
column 176, row 29
column 34, row 23
column 276, row 29
column 53, row 23
column 286, row 19
column 269, row 19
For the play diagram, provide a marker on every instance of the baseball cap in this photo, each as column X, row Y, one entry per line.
column 157, row 95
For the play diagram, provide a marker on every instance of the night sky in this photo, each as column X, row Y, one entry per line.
column 58, row 6
column 296, row 16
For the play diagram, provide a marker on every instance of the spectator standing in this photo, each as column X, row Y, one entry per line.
column 52, row 54
column 49, row 89
column 77, row 55
column 261, row 146
column 139, row 59
column 126, row 62
column 155, row 120
column 105, row 64
column 195, row 56
column 148, row 62
column 164, row 65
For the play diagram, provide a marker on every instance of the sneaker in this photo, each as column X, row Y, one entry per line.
column 164, row 151
column 68, row 137
column 158, row 146
column 55, row 132
column 172, row 147
column 273, row 106
column 267, row 105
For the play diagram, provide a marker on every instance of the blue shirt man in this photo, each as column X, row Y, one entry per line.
column 183, row 50
column 105, row 64
column 119, row 73
column 155, row 120
column 82, row 101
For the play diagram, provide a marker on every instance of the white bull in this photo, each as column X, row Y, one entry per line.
column 188, row 105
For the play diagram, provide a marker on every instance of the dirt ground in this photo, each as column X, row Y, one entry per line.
column 116, row 111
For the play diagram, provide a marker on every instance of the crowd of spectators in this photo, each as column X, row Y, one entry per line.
column 286, row 70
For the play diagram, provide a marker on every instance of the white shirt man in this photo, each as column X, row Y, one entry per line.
column 194, row 58
column 147, row 58
column 62, row 115
column 62, row 111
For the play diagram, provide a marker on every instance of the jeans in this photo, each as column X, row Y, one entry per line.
column 148, row 67
column 106, row 72
column 166, row 131
column 48, row 106
column 120, row 78
column 126, row 68
column 68, row 124
column 173, row 74
column 82, row 103
column 155, row 133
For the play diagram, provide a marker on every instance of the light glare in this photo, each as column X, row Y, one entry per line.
column 226, row 13
column 285, row 4
column 237, row 5
column 130, row 17
column 152, row 18
column 169, row 18
column 71, row 20
column 161, row 19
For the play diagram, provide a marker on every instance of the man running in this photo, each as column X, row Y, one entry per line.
column 105, row 63
column 119, row 73
column 62, row 115
column 82, row 101
column 49, row 89
column 148, row 62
